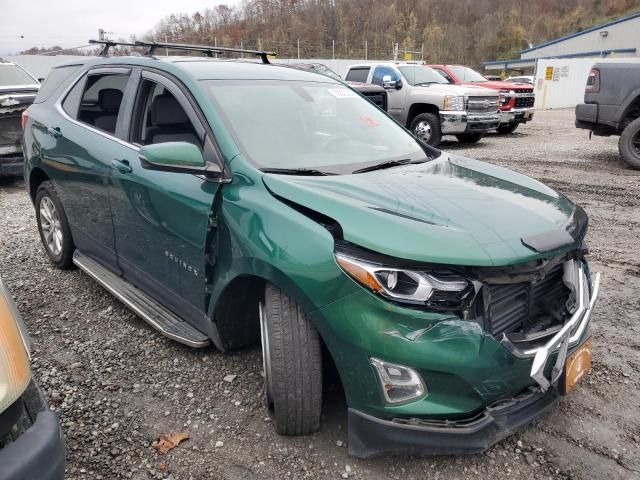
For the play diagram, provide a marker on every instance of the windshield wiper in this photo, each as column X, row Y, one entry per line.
column 296, row 171
column 389, row 164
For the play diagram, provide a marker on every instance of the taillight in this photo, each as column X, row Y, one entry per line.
column 25, row 117
column 593, row 81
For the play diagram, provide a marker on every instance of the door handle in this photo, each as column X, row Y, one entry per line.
column 54, row 132
column 122, row 166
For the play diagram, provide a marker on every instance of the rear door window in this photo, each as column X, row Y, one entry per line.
column 54, row 79
column 101, row 100
column 358, row 74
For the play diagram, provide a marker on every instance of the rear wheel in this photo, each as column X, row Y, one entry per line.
column 507, row 128
column 426, row 127
column 292, row 361
column 629, row 144
column 470, row 137
column 53, row 226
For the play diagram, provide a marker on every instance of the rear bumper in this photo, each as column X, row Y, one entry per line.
column 11, row 165
column 518, row 115
column 39, row 452
column 370, row 436
column 454, row 123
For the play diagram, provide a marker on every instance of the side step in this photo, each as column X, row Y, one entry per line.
column 159, row 317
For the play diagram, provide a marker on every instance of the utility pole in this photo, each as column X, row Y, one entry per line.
column 333, row 49
column 298, row 49
column 166, row 50
column 365, row 50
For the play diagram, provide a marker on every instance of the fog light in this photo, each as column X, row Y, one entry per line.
column 399, row 384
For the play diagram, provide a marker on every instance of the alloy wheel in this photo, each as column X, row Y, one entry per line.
column 51, row 227
column 423, row 131
column 635, row 143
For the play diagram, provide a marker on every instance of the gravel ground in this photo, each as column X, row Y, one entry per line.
column 118, row 385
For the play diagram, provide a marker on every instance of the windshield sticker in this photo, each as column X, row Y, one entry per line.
column 342, row 92
column 369, row 121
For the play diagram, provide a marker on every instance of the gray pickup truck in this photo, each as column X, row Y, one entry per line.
column 423, row 100
column 612, row 106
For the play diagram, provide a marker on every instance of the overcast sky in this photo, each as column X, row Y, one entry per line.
column 70, row 23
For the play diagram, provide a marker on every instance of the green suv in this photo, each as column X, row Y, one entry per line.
column 237, row 202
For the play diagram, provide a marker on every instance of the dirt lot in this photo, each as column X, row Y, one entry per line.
column 117, row 384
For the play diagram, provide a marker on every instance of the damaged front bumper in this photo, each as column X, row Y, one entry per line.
column 569, row 336
column 370, row 436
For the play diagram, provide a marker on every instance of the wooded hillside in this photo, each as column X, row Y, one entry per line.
column 465, row 31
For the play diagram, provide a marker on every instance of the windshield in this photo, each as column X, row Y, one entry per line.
column 421, row 75
column 309, row 125
column 465, row 74
column 12, row 75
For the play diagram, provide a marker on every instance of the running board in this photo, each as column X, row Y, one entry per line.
column 159, row 317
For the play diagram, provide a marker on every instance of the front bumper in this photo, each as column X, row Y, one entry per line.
column 370, row 436
column 39, row 452
column 517, row 115
column 458, row 122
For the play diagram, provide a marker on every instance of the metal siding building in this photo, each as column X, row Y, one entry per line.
column 622, row 35
column 616, row 39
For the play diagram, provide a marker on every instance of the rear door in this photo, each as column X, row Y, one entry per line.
column 80, row 138
column 162, row 220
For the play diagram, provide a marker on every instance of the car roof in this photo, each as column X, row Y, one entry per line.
column 203, row 68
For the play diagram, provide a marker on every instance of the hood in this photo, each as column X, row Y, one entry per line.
column 448, row 89
column 500, row 85
column 451, row 210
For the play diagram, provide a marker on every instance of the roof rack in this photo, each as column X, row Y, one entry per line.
column 209, row 50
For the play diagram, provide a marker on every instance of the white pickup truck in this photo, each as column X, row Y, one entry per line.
column 422, row 100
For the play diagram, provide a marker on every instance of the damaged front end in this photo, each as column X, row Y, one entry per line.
column 13, row 103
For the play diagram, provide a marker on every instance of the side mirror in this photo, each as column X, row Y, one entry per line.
column 177, row 157
column 388, row 83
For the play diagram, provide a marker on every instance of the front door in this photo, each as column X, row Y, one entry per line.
column 162, row 220
column 396, row 96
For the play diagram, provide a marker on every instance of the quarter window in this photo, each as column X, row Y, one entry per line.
column 101, row 101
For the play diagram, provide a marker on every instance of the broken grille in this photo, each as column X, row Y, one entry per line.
column 528, row 306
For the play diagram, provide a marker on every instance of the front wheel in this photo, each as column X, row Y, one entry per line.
column 53, row 226
column 629, row 144
column 426, row 127
column 292, row 361
column 507, row 127
column 470, row 137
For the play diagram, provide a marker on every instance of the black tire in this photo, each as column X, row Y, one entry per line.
column 470, row 137
column 428, row 121
column 64, row 258
column 507, row 128
column 293, row 370
column 629, row 144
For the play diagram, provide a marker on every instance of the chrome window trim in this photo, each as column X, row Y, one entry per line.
column 65, row 115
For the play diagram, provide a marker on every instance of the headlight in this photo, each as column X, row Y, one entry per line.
column 437, row 289
column 15, row 372
column 505, row 96
column 453, row 102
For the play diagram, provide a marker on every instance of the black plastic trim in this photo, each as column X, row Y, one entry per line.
column 370, row 436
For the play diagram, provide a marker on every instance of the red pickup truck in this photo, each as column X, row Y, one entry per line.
column 516, row 99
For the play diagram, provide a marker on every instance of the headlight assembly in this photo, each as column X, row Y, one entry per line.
column 15, row 372
column 440, row 290
column 453, row 102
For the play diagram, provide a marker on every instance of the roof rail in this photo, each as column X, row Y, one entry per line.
column 209, row 50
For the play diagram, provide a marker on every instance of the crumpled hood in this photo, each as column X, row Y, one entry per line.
column 451, row 210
